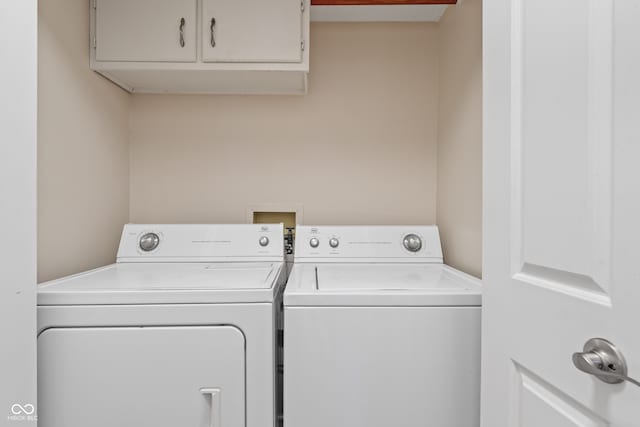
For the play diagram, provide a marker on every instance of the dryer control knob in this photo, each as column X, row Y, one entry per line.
column 412, row 243
column 264, row 241
column 149, row 242
column 314, row 242
column 334, row 243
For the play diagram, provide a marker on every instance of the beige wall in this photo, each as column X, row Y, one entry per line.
column 83, row 153
column 393, row 117
column 459, row 201
column 360, row 148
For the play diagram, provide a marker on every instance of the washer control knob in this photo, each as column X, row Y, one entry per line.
column 334, row 243
column 314, row 242
column 412, row 243
column 264, row 241
column 149, row 242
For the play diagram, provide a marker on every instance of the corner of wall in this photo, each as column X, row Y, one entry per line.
column 83, row 148
column 459, row 146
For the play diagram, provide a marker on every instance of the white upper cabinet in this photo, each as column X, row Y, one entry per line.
column 146, row 30
column 202, row 46
column 252, row 31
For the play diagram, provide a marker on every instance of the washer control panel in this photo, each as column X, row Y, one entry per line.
column 353, row 243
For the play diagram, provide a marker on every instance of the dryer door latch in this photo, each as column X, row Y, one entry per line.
column 214, row 401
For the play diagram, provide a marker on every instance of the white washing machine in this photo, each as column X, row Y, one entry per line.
column 379, row 332
column 181, row 331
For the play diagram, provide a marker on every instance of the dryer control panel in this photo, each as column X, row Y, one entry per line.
column 201, row 242
column 366, row 243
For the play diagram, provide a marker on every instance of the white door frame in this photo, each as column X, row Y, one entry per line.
column 18, row 159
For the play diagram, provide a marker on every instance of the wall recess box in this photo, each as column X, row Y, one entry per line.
column 289, row 214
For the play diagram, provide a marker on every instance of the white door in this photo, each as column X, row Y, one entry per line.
column 145, row 30
column 252, row 30
column 18, row 109
column 561, row 209
column 142, row 376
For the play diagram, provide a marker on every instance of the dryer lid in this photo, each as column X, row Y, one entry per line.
column 165, row 283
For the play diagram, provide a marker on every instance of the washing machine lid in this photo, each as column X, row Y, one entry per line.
column 380, row 284
column 166, row 283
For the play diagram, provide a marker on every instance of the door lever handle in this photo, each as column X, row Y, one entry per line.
column 603, row 360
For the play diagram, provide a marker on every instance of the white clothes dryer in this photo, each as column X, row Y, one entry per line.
column 181, row 331
column 379, row 332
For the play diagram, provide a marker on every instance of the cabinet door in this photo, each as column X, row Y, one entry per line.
column 141, row 376
column 252, row 30
column 145, row 30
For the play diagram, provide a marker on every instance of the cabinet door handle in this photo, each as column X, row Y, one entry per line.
column 213, row 37
column 182, row 23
